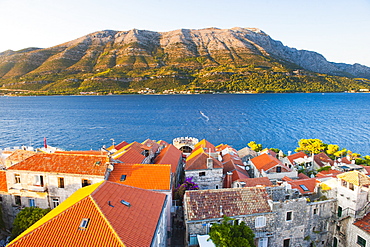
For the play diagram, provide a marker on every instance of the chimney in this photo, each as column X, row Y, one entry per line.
column 229, row 179
column 209, row 163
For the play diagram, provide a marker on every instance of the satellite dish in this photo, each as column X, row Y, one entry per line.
column 247, row 168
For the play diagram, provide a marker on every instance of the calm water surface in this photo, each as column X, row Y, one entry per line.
column 274, row 120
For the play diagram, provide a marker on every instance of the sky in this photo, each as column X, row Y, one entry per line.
column 337, row 29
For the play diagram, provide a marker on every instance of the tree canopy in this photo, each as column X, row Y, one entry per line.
column 26, row 218
column 188, row 184
column 228, row 234
column 310, row 146
column 254, row 146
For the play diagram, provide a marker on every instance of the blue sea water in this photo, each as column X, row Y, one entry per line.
column 274, row 120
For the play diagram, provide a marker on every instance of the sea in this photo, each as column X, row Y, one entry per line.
column 273, row 120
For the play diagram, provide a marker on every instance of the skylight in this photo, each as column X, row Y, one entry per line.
column 84, row 223
column 123, row 178
column 304, row 188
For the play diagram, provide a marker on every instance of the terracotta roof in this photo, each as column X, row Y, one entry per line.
column 302, row 176
column 234, row 157
column 120, row 145
column 199, row 162
column 329, row 173
column 169, row 155
column 18, row 156
column 266, row 162
column 161, row 142
column 144, row 176
column 131, row 156
column 110, row 222
column 247, row 152
column 367, row 168
column 322, row 159
column 64, row 163
column 240, row 174
column 285, row 178
column 3, row 183
column 355, row 177
column 89, row 152
column 305, row 186
column 253, row 182
column 211, row 204
column 294, row 156
column 152, row 145
column 364, row 223
column 205, row 144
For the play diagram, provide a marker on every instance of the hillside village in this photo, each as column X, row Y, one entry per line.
column 126, row 195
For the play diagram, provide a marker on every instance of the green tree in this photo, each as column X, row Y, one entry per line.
column 310, row 146
column 227, row 234
column 254, row 146
column 26, row 218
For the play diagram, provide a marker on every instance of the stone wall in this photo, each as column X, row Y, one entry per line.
column 212, row 178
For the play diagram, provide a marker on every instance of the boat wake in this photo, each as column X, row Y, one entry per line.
column 204, row 115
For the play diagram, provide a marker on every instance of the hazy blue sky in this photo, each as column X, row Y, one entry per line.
column 338, row 29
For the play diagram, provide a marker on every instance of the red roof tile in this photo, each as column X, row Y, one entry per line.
column 205, row 145
column 120, row 145
column 211, row 204
column 18, row 156
column 111, row 223
column 367, row 168
column 145, row 176
column 266, row 162
column 305, row 186
column 3, row 183
column 65, row 163
column 169, row 155
column 199, row 162
column 322, row 159
column 252, row 182
column 292, row 157
column 329, row 173
column 131, row 156
column 364, row 223
column 89, row 152
column 302, row 176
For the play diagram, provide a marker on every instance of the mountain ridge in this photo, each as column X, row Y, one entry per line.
column 142, row 55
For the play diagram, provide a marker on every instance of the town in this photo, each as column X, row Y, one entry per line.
column 156, row 193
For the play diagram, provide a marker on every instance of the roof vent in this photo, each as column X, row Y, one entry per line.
column 110, row 204
column 125, row 203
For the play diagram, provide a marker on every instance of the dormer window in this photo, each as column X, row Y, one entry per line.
column 84, row 224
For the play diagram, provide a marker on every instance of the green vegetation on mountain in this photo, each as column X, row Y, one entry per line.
column 185, row 60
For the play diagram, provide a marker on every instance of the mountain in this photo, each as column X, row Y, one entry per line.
column 211, row 59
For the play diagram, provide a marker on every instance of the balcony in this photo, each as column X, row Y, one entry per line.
column 36, row 188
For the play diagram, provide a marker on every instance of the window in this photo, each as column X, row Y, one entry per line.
column 202, row 174
column 350, row 186
column 278, row 169
column 55, row 202
column 286, row 242
column 263, row 242
column 17, row 200
column 289, row 216
column 86, row 182
column 17, row 178
column 61, row 183
column 31, row 202
column 335, row 242
column 216, row 186
column 339, row 211
column 361, row 241
column 84, row 223
column 39, row 180
column 344, row 183
column 123, row 178
column 315, row 211
column 260, row 221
